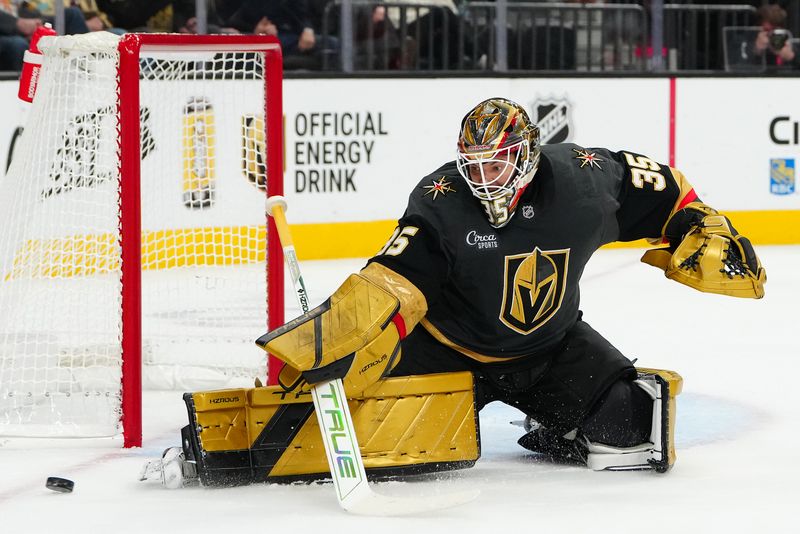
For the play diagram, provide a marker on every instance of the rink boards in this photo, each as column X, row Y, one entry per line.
column 355, row 148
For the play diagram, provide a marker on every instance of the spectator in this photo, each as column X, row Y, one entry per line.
column 225, row 9
column 149, row 15
column 14, row 35
column 430, row 29
column 74, row 22
column 18, row 21
column 422, row 34
column 382, row 37
column 217, row 11
column 96, row 19
column 774, row 42
column 290, row 22
column 538, row 37
column 377, row 41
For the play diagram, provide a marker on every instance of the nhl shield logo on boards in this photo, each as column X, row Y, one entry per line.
column 554, row 118
column 534, row 286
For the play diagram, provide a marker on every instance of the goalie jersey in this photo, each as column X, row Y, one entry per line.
column 496, row 294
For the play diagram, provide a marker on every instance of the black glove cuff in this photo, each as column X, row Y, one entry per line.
column 681, row 223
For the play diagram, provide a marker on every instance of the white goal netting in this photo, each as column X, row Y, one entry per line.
column 203, row 238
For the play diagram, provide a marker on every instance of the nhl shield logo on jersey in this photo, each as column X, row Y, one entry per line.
column 527, row 211
column 554, row 117
column 533, row 288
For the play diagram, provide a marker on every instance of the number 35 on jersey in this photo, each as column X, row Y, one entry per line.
column 399, row 241
column 645, row 170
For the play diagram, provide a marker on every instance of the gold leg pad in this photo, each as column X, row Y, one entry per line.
column 404, row 424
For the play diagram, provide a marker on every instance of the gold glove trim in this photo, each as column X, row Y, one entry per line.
column 657, row 257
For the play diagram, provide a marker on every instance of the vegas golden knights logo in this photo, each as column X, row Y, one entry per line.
column 254, row 148
column 534, row 288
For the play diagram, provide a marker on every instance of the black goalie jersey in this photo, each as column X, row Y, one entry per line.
column 510, row 292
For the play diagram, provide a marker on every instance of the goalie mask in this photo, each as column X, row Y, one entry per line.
column 498, row 154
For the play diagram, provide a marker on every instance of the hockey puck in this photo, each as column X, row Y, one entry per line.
column 61, row 485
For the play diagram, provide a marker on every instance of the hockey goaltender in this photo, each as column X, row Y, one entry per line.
column 476, row 294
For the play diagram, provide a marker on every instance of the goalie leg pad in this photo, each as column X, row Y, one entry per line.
column 405, row 425
column 658, row 452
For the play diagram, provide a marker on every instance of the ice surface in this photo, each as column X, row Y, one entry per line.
column 737, row 437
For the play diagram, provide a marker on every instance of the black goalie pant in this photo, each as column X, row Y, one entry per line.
column 584, row 383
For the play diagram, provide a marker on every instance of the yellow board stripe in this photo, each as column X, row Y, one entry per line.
column 323, row 241
column 778, row 227
column 226, row 245
column 94, row 254
column 85, row 255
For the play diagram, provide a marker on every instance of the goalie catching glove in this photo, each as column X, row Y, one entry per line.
column 708, row 254
column 354, row 335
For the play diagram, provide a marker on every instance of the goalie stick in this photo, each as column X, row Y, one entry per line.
column 336, row 423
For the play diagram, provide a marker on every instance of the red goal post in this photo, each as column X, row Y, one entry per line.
column 130, row 47
column 133, row 229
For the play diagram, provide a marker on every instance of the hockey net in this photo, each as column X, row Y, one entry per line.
column 133, row 235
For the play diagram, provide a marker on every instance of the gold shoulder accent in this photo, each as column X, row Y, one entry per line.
column 683, row 186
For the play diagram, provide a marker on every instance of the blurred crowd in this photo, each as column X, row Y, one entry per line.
column 774, row 45
column 309, row 29
column 294, row 22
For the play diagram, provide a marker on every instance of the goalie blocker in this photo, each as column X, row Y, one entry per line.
column 406, row 425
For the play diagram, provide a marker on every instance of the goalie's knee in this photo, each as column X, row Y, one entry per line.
column 634, row 426
column 622, row 417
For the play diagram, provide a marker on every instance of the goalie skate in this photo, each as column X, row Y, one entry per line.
column 172, row 470
column 561, row 448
